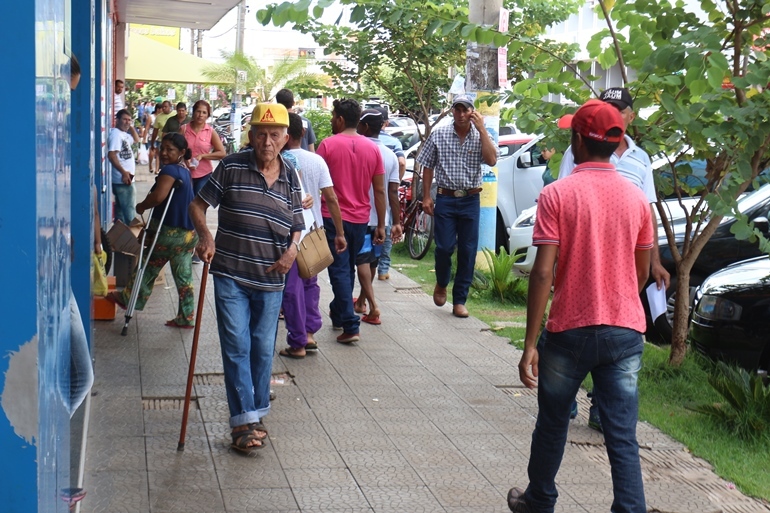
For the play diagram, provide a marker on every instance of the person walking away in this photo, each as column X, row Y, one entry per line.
column 121, row 158
column 286, row 98
column 367, row 263
column 260, row 222
column 301, row 297
column 152, row 148
column 393, row 144
column 454, row 153
column 599, row 226
column 355, row 165
column 632, row 163
column 176, row 238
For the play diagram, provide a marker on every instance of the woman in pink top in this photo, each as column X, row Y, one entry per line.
column 204, row 144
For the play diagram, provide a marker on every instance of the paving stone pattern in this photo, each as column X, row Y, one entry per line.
column 425, row 414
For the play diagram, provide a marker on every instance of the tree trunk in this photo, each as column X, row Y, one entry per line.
column 681, row 316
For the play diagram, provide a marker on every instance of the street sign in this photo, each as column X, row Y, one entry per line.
column 171, row 95
column 212, row 93
column 502, row 66
column 502, row 25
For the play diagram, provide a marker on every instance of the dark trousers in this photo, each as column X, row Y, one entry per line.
column 456, row 223
column 342, row 274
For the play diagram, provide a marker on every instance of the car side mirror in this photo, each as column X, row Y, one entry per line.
column 525, row 160
column 762, row 223
column 504, row 151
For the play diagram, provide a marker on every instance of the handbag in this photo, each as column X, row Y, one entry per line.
column 143, row 156
column 314, row 253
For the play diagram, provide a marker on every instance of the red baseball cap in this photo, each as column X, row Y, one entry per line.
column 593, row 120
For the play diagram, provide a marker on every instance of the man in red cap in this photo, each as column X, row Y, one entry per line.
column 598, row 224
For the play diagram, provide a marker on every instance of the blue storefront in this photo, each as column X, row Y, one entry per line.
column 54, row 178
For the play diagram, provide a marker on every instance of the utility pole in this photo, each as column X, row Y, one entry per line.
column 235, row 119
column 199, row 41
column 482, row 79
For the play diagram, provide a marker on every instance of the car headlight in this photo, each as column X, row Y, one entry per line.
column 716, row 308
column 526, row 221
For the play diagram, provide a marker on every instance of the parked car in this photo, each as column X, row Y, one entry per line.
column 731, row 318
column 224, row 118
column 721, row 250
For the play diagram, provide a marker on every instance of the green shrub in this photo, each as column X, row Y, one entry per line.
column 505, row 285
column 321, row 120
column 746, row 410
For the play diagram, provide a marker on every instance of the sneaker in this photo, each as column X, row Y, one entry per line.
column 516, row 501
column 594, row 421
column 574, row 411
column 383, row 277
column 347, row 338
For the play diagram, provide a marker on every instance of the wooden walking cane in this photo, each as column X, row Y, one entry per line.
column 193, row 354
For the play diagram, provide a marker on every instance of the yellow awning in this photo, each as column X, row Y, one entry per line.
column 150, row 61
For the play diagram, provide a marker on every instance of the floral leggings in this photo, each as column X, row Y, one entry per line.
column 174, row 245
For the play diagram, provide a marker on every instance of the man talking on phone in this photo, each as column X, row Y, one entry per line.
column 454, row 154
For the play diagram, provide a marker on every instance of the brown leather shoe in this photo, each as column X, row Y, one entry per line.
column 439, row 295
column 516, row 501
column 459, row 311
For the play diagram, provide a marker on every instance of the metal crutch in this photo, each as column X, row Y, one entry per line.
column 142, row 263
column 193, row 355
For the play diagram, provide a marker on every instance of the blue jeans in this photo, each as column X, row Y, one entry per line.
column 247, row 319
column 613, row 356
column 125, row 202
column 456, row 223
column 384, row 266
column 198, row 183
column 342, row 274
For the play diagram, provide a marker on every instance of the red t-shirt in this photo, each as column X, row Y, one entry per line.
column 353, row 161
column 598, row 219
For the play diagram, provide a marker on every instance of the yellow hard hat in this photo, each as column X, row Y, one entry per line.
column 270, row 114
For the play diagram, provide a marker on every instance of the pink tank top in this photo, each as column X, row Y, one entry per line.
column 199, row 144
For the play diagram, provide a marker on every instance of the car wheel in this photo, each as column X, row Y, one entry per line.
column 664, row 324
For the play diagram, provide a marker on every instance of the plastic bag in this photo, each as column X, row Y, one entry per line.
column 144, row 157
column 99, row 274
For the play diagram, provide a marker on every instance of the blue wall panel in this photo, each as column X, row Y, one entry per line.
column 18, row 275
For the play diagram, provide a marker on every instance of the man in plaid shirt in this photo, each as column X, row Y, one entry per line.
column 454, row 153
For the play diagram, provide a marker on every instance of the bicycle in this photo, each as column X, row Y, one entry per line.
column 418, row 225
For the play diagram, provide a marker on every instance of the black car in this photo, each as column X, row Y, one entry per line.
column 731, row 318
column 721, row 250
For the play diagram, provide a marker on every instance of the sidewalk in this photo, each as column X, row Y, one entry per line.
column 425, row 414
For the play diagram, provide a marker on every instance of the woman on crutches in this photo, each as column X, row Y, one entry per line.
column 176, row 238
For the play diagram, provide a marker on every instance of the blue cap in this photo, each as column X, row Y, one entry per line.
column 463, row 99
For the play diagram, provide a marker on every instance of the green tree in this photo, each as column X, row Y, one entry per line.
column 704, row 83
column 404, row 50
column 264, row 83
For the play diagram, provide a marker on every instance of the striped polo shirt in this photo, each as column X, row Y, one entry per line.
column 255, row 221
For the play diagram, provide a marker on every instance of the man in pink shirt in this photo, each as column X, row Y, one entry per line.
column 355, row 165
column 598, row 225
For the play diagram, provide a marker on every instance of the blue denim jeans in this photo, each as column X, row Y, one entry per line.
column 342, row 274
column 613, row 356
column 247, row 320
column 384, row 266
column 125, row 202
column 456, row 223
column 198, row 183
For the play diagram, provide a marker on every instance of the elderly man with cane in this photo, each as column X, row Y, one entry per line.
column 260, row 221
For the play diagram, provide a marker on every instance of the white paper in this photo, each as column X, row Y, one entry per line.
column 657, row 300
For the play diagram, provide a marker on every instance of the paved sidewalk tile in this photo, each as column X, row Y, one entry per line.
column 424, row 415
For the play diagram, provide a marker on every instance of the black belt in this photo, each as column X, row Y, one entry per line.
column 458, row 193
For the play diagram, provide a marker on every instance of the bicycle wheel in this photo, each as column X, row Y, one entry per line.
column 419, row 235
